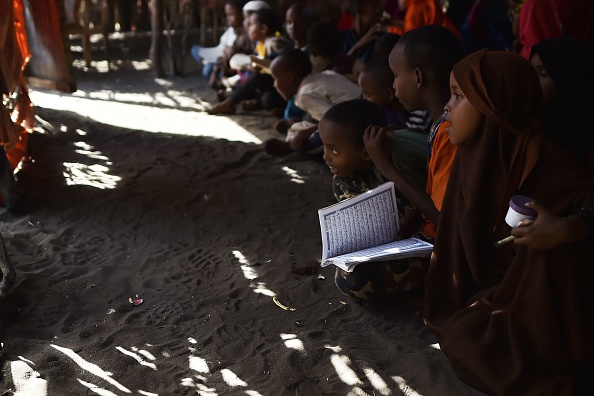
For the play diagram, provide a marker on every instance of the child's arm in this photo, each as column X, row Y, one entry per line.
column 547, row 231
column 379, row 152
column 371, row 35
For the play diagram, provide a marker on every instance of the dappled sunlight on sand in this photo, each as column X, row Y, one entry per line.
column 144, row 117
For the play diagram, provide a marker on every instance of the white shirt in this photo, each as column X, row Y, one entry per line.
column 320, row 91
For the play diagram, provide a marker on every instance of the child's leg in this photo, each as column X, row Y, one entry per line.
column 383, row 281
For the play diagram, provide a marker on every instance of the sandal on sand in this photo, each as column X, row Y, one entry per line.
column 252, row 105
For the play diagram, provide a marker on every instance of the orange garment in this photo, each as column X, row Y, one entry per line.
column 16, row 124
column 422, row 13
column 438, row 172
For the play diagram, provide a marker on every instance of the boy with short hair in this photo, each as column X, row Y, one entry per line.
column 314, row 93
column 376, row 82
column 421, row 62
column 341, row 131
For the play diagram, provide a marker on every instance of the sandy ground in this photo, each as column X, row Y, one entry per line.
column 134, row 193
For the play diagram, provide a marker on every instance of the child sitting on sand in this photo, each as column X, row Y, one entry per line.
column 215, row 60
column 531, row 312
column 263, row 29
column 314, row 93
column 421, row 62
column 341, row 131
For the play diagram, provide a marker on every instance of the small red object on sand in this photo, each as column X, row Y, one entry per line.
column 309, row 268
column 135, row 301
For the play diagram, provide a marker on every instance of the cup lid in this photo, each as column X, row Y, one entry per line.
column 518, row 203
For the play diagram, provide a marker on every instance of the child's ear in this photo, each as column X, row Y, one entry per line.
column 419, row 77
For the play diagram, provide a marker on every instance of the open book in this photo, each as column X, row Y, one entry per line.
column 364, row 228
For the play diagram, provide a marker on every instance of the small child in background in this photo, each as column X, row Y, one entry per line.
column 314, row 93
column 264, row 27
column 359, row 41
column 215, row 60
column 325, row 48
column 418, row 13
column 376, row 82
column 341, row 130
column 298, row 19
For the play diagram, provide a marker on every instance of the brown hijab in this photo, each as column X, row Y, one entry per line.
column 511, row 320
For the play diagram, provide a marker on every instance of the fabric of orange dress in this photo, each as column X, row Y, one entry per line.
column 422, row 13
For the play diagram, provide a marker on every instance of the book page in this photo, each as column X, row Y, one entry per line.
column 401, row 249
column 364, row 221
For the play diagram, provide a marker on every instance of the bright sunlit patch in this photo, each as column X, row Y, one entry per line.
column 26, row 380
column 94, row 175
column 252, row 393
column 91, row 367
column 261, row 288
column 356, row 391
column 26, row 360
column 376, row 381
column 141, row 65
column 231, row 378
column 248, row 271
column 250, row 274
column 346, row 374
column 140, row 359
column 436, row 346
column 291, row 341
column 204, row 390
column 403, row 386
column 122, row 110
column 295, row 177
column 198, row 364
column 335, row 349
column 96, row 388
column 145, row 393
column 87, row 150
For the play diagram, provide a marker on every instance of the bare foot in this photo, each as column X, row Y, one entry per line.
column 225, row 107
column 252, row 105
column 277, row 147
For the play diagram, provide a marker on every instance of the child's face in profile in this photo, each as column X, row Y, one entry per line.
column 373, row 91
column 549, row 88
column 405, row 80
column 233, row 15
column 341, row 154
column 283, row 80
column 463, row 116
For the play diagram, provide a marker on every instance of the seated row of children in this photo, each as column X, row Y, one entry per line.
column 526, row 305
column 514, row 318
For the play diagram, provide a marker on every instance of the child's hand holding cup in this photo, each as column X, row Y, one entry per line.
column 517, row 212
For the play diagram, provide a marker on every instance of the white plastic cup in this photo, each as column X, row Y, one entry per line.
column 518, row 211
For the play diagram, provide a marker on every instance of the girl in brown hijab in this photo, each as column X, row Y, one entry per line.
column 512, row 321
